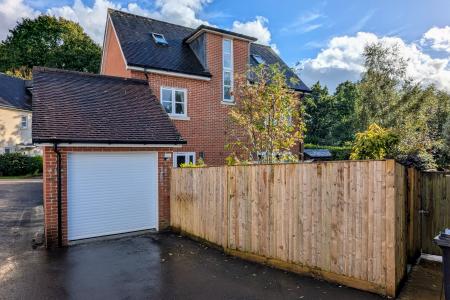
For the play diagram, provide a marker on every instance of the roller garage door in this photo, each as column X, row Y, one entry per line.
column 111, row 193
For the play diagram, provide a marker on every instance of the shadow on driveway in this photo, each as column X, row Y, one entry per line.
column 150, row 266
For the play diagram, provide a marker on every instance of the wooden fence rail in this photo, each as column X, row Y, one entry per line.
column 344, row 221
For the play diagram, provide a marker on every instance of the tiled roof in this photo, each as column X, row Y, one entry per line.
column 140, row 50
column 13, row 93
column 75, row 107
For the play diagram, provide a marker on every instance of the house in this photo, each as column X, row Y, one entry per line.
column 110, row 140
column 190, row 71
column 15, row 116
column 107, row 146
column 317, row 154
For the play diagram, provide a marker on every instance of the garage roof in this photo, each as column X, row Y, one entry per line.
column 75, row 107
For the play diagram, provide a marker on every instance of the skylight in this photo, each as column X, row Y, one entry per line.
column 159, row 39
column 259, row 59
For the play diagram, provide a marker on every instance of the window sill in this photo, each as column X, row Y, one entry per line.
column 182, row 118
column 228, row 102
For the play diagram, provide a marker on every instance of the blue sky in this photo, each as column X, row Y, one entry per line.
column 327, row 37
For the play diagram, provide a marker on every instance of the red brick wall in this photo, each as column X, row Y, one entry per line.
column 51, row 196
column 113, row 62
column 206, row 129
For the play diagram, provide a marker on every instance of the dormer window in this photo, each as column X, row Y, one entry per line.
column 160, row 39
column 259, row 59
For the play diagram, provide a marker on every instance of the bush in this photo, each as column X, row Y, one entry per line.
column 338, row 152
column 200, row 164
column 18, row 164
column 374, row 143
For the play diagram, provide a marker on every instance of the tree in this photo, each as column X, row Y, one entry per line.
column 379, row 85
column 50, row 42
column 345, row 122
column 374, row 143
column 318, row 115
column 266, row 123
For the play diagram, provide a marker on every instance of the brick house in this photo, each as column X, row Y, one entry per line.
column 110, row 140
column 190, row 71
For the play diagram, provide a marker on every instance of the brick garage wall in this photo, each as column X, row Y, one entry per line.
column 51, row 191
column 207, row 129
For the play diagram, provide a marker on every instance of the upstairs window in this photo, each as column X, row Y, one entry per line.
column 24, row 122
column 174, row 101
column 259, row 59
column 227, row 64
column 160, row 39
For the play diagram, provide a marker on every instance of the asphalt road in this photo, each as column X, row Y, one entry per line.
column 150, row 266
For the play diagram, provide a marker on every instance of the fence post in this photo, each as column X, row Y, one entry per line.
column 390, row 229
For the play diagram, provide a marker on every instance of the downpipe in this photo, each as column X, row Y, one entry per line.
column 58, row 184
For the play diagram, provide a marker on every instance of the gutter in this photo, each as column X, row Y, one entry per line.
column 59, row 200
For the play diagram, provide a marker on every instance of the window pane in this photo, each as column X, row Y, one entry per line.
column 167, row 106
column 227, row 92
column 179, row 108
column 227, row 78
column 179, row 96
column 227, row 61
column 181, row 160
column 226, row 46
column 191, row 158
column 166, row 95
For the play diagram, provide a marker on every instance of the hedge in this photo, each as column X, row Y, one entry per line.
column 338, row 152
column 18, row 164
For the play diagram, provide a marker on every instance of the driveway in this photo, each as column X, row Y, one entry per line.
column 149, row 266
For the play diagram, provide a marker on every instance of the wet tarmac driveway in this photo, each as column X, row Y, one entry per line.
column 150, row 266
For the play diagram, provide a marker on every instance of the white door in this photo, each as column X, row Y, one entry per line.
column 110, row 193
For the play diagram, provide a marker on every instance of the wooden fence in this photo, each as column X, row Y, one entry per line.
column 428, row 210
column 343, row 221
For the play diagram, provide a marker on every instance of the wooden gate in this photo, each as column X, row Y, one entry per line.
column 434, row 212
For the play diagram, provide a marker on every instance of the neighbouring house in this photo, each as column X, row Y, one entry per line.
column 107, row 151
column 190, row 71
column 317, row 154
column 15, row 116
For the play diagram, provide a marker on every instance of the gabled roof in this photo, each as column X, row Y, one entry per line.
column 135, row 38
column 13, row 93
column 75, row 107
column 206, row 28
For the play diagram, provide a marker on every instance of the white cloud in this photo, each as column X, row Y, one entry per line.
column 183, row 12
column 12, row 11
column 437, row 38
column 342, row 60
column 304, row 23
column 258, row 29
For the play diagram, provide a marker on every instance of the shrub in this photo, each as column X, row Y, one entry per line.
column 18, row 164
column 374, row 143
column 338, row 152
column 200, row 164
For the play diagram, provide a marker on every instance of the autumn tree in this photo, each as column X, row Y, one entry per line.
column 50, row 42
column 266, row 122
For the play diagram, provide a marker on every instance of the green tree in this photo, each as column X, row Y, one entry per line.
column 345, row 122
column 50, row 42
column 318, row 115
column 374, row 143
column 267, row 118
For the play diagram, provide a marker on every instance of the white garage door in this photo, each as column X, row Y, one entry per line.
column 110, row 193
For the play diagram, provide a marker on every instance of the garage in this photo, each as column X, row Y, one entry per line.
column 111, row 193
column 107, row 147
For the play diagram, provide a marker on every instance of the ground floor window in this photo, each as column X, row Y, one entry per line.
column 183, row 158
column 8, row 150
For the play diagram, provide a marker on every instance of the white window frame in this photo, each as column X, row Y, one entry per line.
column 173, row 90
column 8, row 150
column 226, row 69
column 24, row 118
column 186, row 156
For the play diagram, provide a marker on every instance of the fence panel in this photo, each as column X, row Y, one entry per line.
column 344, row 221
